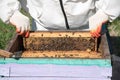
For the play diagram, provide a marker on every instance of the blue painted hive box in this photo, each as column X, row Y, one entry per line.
column 57, row 55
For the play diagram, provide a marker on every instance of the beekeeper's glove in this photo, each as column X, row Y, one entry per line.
column 95, row 23
column 21, row 22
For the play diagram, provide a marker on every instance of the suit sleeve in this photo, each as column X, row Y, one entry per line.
column 109, row 7
column 7, row 9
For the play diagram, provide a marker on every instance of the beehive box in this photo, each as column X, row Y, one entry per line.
column 60, row 55
column 60, row 44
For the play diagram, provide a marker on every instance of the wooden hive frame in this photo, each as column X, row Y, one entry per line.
column 16, row 45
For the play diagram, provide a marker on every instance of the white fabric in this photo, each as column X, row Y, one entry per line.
column 48, row 13
column 20, row 21
column 37, row 27
column 7, row 8
column 96, row 19
column 109, row 7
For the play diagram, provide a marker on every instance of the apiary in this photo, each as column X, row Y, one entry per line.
column 70, row 54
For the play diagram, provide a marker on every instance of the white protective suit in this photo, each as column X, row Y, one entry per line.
column 48, row 14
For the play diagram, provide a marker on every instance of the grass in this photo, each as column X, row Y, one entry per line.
column 6, row 32
column 115, row 27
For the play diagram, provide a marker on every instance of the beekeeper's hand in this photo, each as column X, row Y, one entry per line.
column 96, row 22
column 21, row 22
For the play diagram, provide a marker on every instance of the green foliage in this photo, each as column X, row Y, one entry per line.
column 114, row 29
column 6, row 32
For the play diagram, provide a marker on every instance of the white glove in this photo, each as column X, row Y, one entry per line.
column 96, row 22
column 21, row 22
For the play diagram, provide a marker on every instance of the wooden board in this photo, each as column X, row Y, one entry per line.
column 39, row 78
column 54, row 72
column 60, row 34
column 5, row 54
column 56, row 61
column 61, row 54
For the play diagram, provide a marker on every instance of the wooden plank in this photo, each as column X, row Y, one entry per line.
column 60, row 34
column 50, row 70
column 58, row 61
column 61, row 54
column 104, row 46
column 47, row 78
column 5, row 54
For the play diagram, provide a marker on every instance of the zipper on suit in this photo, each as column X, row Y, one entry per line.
column 65, row 17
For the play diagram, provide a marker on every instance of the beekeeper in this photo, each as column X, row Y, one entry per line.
column 59, row 14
